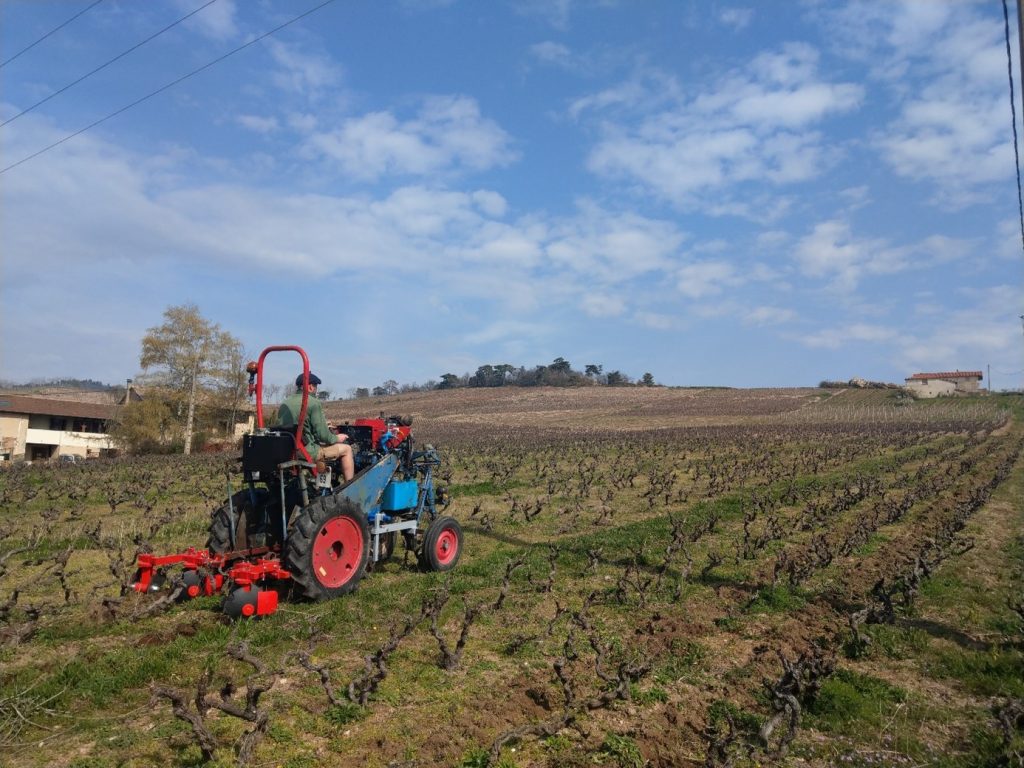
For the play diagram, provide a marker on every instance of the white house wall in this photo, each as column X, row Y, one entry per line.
column 77, row 443
column 931, row 387
column 17, row 435
column 13, row 430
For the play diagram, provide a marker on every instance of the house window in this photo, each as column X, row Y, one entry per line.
column 58, row 423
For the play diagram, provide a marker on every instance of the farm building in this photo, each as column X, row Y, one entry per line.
column 945, row 383
column 68, row 422
column 39, row 428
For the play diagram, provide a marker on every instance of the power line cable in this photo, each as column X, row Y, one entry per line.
column 1013, row 116
column 55, row 29
column 166, row 87
column 107, row 64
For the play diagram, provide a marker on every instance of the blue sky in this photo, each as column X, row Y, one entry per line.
column 745, row 194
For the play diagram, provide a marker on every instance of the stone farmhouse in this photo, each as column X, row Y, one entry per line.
column 945, row 383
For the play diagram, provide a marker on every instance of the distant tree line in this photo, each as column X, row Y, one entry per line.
column 558, row 373
column 90, row 385
column 856, row 383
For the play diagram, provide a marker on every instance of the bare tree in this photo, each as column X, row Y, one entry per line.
column 187, row 354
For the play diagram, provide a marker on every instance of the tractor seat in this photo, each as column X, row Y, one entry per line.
column 262, row 453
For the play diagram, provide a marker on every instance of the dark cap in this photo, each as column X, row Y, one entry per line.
column 313, row 379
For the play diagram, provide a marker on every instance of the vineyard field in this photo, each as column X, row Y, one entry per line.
column 651, row 577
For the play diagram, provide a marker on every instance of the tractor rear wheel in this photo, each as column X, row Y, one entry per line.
column 328, row 548
column 442, row 544
column 250, row 530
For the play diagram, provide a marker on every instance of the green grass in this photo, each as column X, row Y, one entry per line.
column 722, row 710
column 850, row 702
column 686, row 660
column 345, row 713
column 484, row 488
column 998, row 672
column 621, row 751
column 896, row 642
column 646, row 696
column 777, row 599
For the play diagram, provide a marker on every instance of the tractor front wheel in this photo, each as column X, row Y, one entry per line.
column 442, row 544
column 328, row 548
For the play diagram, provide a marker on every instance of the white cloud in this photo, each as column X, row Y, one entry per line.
column 772, row 239
column 737, row 18
column 560, row 56
column 216, row 21
column 423, row 211
column 505, row 330
column 553, row 12
column 930, row 309
column 752, row 125
column 970, row 338
column 935, row 337
column 856, row 197
column 490, row 203
column 302, row 71
column 609, row 247
column 1009, row 239
column 550, row 52
column 494, row 243
column 602, row 305
column 945, row 63
column 153, row 212
column 835, row 338
column 769, row 316
column 831, row 251
column 647, row 91
column 426, row 5
column 655, row 321
column 257, row 124
column 705, row 278
column 958, row 145
column 448, row 133
column 301, row 122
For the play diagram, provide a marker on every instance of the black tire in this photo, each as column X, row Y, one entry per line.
column 250, row 530
column 328, row 548
column 442, row 544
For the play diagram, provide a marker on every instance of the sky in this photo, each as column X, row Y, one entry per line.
column 719, row 193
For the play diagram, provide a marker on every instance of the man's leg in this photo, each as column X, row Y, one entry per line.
column 348, row 463
column 341, row 451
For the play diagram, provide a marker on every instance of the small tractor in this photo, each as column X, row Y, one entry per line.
column 296, row 523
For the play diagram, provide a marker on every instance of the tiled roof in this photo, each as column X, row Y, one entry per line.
column 949, row 375
column 49, row 407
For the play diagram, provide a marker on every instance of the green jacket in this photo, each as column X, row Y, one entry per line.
column 315, row 431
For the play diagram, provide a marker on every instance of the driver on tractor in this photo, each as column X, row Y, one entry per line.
column 317, row 437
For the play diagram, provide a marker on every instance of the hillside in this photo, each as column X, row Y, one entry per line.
column 599, row 408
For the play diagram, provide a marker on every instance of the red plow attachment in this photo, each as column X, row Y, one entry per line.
column 206, row 574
